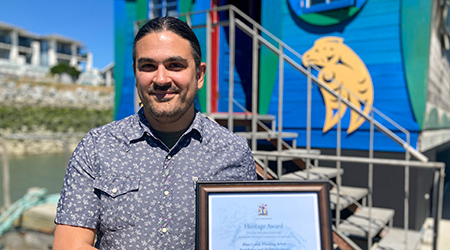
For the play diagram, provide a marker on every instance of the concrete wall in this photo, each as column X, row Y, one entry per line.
column 74, row 96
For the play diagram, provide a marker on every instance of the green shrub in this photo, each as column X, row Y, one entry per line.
column 52, row 119
column 65, row 68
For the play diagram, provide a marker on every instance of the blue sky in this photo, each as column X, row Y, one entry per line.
column 88, row 21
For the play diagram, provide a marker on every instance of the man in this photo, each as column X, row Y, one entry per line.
column 132, row 182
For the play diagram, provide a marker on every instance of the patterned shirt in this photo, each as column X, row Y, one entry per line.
column 139, row 194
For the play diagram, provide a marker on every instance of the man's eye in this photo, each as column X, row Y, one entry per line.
column 147, row 67
column 176, row 66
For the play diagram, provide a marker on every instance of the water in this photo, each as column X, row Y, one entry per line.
column 45, row 171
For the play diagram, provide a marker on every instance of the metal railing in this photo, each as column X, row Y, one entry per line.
column 437, row 167
column 237, row 18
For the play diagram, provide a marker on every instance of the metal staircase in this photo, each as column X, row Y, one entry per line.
column 355, row 217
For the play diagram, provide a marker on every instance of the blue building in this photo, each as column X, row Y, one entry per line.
column 387, row 60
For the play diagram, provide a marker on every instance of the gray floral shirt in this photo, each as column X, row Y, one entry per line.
column 137, row 193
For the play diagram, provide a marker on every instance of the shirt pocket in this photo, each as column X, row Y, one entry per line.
column 117, row 200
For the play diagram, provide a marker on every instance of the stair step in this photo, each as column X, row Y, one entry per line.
column 357, row 225
column 242, row 116
column 395, row 239
column 347, row 196
column 315, row 173
column 268, row 135
column 295, row 152
column 241, row 119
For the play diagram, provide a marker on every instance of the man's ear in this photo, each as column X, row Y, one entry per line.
column 134, row 69
column 201, row 75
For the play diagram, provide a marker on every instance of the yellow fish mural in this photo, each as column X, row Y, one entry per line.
column 340, row 63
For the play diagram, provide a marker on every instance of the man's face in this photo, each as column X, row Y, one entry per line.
column 166, row 78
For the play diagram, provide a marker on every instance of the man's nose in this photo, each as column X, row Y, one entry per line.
column 161, row 76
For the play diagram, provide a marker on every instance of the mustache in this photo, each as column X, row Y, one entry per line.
column 166, row 87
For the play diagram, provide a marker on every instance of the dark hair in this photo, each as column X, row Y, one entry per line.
column 174, row 25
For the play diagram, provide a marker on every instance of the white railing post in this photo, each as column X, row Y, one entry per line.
column 254, row 86
column 308, row 120
column 232, row 42
column 440, row 200
column 435, row 207
column 370, row 179
column 406, row 200
column 280, row 108
column 438, row 193
column 189, row 21
column 338, row 162
column 266, row 165
column 208, row 63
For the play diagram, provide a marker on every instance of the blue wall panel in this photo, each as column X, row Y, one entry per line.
column 223, row 74
column 125, row 15
column 224, row 62
column 374, row 35
column 200, row 19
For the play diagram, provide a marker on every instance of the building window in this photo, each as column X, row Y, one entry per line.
column 162, row 8
column 44, row 46
column 4, row 54
column 25, row 41
column 313, row 6
column 26, row 56
column 5, row 37
column 63, row 48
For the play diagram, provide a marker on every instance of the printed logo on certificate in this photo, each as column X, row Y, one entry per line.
column 263, row 215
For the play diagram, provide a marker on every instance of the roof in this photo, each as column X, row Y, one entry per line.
column 60, row 38
column 25, row 33
column 21, row 31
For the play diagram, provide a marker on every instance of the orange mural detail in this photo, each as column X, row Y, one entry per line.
column 340, row 64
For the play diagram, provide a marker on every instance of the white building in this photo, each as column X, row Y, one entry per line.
column 24, row 54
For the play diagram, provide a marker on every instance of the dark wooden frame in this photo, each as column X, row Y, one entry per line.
column 321, row 188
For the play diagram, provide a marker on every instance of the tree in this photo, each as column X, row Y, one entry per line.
column 65, row 68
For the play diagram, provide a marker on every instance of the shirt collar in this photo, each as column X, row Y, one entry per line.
column 198, row 124
column 140, row 126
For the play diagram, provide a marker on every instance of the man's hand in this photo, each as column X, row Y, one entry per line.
column 71, row 237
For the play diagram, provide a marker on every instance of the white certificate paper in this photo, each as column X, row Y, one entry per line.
column 264, row 221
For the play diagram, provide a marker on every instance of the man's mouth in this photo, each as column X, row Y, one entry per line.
column 164, row 95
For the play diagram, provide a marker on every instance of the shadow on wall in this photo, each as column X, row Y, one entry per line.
column 433, row 121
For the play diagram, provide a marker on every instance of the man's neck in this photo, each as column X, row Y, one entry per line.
column 168, row 138
column 165, row 125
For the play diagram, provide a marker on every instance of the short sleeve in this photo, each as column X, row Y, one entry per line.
column 248, row 164
column 78, row 204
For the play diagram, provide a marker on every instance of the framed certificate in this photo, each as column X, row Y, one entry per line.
column 263, row 215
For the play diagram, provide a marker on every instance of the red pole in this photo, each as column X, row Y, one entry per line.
column 214, row 59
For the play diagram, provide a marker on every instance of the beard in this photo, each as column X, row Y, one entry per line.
column 169, row 110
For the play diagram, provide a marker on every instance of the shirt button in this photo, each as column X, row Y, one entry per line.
column 169, row 157
column 166, row 192
column 164, row 230
column 114, row 190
